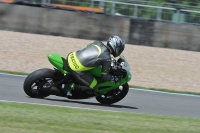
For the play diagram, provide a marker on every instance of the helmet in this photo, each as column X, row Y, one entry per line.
column 116, row 44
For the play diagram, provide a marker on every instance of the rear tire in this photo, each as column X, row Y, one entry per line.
column 114, row 96
column 36, row 80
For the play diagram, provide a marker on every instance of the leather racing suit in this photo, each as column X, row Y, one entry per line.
column 95, row 54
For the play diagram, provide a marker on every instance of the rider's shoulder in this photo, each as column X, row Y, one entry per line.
column 98, row 42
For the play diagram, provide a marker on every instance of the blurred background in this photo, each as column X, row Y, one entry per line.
column 158, row 33
column 158, row 23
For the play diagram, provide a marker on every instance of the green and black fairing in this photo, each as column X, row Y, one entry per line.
column 57, row 61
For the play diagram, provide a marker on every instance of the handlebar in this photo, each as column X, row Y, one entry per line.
column 116, row 68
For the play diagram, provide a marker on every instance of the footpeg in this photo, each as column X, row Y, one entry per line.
column 69, row 94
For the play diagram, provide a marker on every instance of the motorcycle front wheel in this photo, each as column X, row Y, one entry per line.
column 114, row 96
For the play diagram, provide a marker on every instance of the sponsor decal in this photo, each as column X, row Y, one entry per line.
column 73, row 61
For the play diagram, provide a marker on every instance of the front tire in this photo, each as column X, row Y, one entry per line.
column 36, row 80
column 114, row 96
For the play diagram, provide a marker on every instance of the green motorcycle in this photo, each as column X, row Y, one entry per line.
column 44, row 82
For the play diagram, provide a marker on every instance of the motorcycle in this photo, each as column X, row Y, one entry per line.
column 45, row 82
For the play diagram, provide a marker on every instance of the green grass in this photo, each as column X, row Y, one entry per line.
column 157, row 89
column 26, row 118
column 13, row 72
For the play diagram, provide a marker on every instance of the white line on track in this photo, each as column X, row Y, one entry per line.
column 191, row 95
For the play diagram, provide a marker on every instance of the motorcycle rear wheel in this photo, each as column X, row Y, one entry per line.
column 36, row 80
column 114, row 96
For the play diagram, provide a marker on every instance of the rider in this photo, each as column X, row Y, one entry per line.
column 95, row 54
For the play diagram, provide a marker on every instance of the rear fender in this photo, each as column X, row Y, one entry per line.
column 56, row 60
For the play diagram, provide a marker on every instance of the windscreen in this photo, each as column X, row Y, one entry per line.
column 124, row 63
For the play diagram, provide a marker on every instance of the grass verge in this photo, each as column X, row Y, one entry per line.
column 132, row 86
column 12, row 72
column 26, row 118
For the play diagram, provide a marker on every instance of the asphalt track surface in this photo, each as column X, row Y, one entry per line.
column 136, row 101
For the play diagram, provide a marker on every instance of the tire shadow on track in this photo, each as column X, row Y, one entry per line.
column 90, row 103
